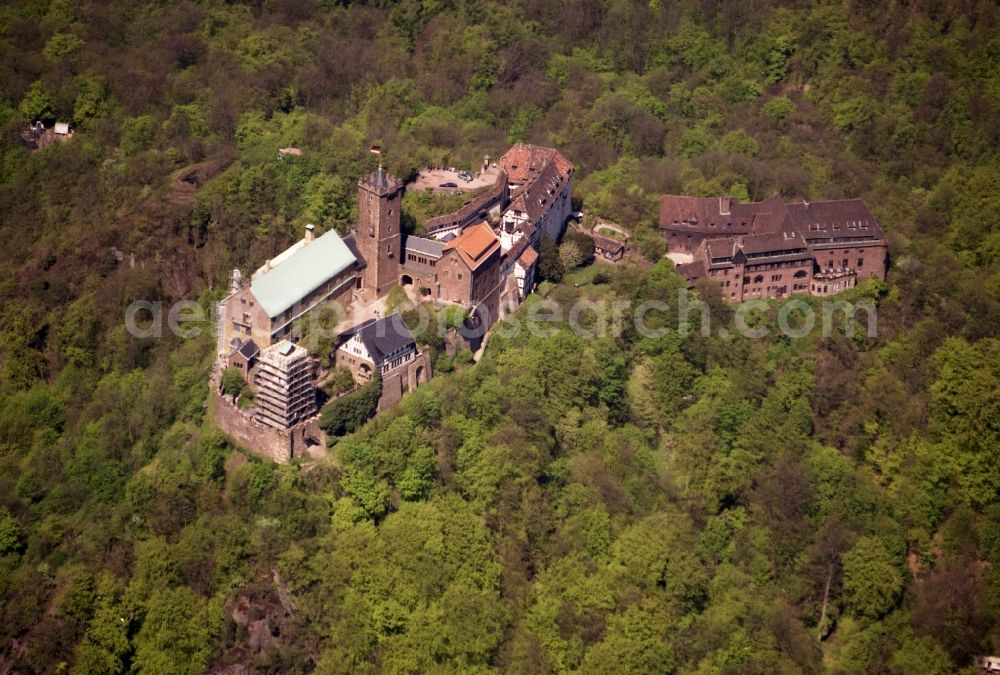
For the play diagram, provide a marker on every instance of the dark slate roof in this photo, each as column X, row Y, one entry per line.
column 786, row 245
column 249, row 349
column 691, row 271
column 540, row 194
column 773, row 243
column 429, row 247
column 381, row 182
column 844, row 214
column 608, row 244
column 722, row 215
column 384, row 336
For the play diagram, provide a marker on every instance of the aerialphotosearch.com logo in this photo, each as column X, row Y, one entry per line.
column 752, row 319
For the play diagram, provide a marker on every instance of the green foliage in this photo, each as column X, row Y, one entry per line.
column 345, row 414
column 62, row 45
column 137, row 134
column 395, row 300
column 684, row 502
column 232, row 381
column 11, row 536
column 341, row 381
column 550, row 265
column 176, row 634
column 872, row 580
column 779, row 108
column 36, row 104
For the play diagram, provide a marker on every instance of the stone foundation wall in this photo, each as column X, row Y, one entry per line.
column 404, row 378
column 275, row 444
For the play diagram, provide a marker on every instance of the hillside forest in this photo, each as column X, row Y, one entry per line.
column 689, row 503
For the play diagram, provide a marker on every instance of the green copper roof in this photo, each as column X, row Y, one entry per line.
column 301, row 273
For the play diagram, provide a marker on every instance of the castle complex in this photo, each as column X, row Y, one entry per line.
column 486, row 269
column 484, row 258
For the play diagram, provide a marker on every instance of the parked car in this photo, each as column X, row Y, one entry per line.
column 449, row 185
column 465, row 175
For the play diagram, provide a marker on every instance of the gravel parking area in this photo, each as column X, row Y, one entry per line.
column 433, row 178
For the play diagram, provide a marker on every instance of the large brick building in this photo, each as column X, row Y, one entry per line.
column 311, row 272
column 774, row 249
column 469, row 273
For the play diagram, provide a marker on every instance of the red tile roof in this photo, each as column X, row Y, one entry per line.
column 523, row 162
column 475, row 244
column 528, row 258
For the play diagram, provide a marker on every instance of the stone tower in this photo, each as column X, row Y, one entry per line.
column 378, row 230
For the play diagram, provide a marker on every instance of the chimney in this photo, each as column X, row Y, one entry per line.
column 724, row 206
column 310, row 232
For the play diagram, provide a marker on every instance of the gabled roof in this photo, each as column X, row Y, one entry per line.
column 298, row 275
column 249, row 349
column 523, row 163
column 776, row 242
column 845, row 217
column 383, row 337
column 538, row 196
column 787, row 245
column 475, row 244
column 608, row 244
column 428, row 247
column 513, row 254
column 722, row 215
column 692, row 271
column 528, row 258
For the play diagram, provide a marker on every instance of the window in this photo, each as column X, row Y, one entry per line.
column 861, row 262
column 459, row 276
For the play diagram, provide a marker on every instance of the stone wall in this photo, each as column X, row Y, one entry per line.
column 277, row 445
column 405, row 378
column 497, row 195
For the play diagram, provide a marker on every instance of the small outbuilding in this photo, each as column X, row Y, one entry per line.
column 608, row 248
